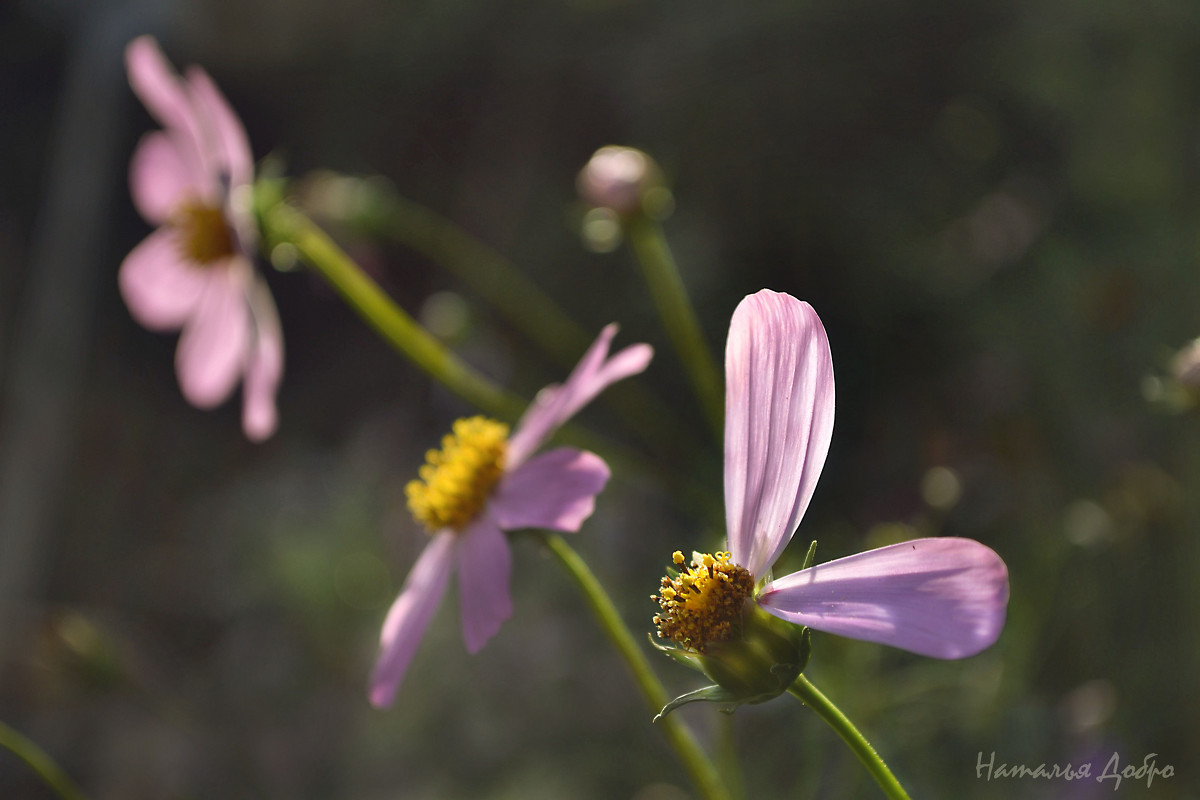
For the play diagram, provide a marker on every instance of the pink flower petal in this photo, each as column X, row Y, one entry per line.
column 484, row 566
column 556, row 404
column 160, row 287
column 265, row 367
column 778, row 422
column 160, row 178
column 230, row 144
column 941, row 597
column 212, row 350
column 160, row 89
column 409, row 616
column 555, row 490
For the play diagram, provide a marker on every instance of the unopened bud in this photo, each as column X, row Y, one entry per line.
column 623, row 179
column 1185, row 366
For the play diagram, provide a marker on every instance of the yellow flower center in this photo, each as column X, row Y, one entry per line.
column 455, row 481
column 703, row 604
column 204, row 233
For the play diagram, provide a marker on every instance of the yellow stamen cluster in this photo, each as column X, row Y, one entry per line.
column 455, row 482
column 704, row 604
column 204, row 234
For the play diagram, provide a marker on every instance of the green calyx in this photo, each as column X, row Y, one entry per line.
column 756, row 665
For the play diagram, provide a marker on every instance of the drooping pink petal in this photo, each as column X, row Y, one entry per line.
column 227, row 135
column 160, row 89
column 484, row 567
column 160, row 287
column 556, row 404
column 265, row 367
column 409, row 616
column 212, row 349
column 555, row 490
column 778, row 422
column 941, row 597
column 160, row 178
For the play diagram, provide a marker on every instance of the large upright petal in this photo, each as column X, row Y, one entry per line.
column 941, row 597
column 556, row 404
column 555, row 490
column 409, row 616
column 778, row 422
column 484, row 567
column 228, row 135
column 212, row 349
column 160, row 89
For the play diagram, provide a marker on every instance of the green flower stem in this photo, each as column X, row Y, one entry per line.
column 40, row 762
column 701, row 769
column 678, row 317
column 282, row 223
column 826, row 710
column 285, row 224
column 493, row 277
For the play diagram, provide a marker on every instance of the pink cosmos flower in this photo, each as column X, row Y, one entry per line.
column 941, row 597
column 194, row 272
column 483, row 483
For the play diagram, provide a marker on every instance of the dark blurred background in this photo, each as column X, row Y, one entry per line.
column 994, row 206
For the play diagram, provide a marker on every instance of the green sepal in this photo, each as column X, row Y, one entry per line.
column 685, row 657
column 810, row 555
column 709, row 694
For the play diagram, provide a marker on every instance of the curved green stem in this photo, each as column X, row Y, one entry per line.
column 826, row 710
column 678, row 317
column 40, row 762
column 379, row 210
column 283, row 223
column 488, row 273
column 697, row 763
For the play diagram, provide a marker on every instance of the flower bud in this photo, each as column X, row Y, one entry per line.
column 623, row 179
column 1185, row 366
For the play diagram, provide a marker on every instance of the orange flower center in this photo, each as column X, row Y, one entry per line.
column 205, row 237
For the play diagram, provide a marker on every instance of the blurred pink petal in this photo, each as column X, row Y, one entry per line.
column 265, row 368
column 779, row 400
column 556, row 404
column 409, row 616
column 212, row 349
column 940, row 597
column 484, row 566
column 160, row 178
column 159, row 88
column 230, row 144
column 555, row 490
column 160, row 288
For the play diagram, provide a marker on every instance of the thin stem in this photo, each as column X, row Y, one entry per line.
column 285, row 224
column 493, row 277
column 701, row 769
column 40, row 762
column 380, row 210
column 808, row 694
column 678, row 317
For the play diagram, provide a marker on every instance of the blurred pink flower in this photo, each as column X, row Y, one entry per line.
column 943, row 597
column 482, row 484
column 194, row 272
